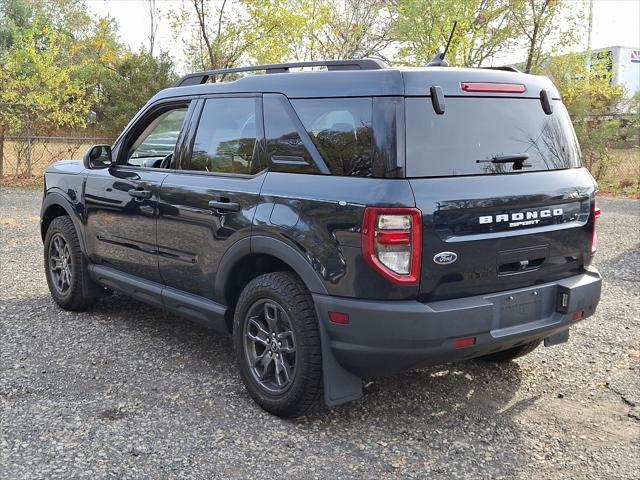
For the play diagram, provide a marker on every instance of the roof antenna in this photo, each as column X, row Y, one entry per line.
column 438, row 60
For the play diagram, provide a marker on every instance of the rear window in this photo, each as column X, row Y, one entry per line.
column 226, row 138
column 475, row 132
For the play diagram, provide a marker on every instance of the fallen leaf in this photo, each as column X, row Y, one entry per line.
column 11, row 222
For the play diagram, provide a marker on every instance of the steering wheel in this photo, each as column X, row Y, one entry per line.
column 163, row 163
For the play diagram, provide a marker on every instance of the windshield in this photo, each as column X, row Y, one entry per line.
column 481, row 136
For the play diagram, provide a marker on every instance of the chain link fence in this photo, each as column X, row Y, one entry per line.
column 619, row 171
column 29, row 155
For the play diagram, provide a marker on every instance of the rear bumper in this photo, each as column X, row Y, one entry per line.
column 386, row 337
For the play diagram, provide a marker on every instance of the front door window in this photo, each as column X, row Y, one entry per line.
column 156, row 145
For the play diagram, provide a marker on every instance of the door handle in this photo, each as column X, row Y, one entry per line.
column 141, row 194
column 224, row 206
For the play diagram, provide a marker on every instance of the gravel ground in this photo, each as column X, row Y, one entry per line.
column 127, row 391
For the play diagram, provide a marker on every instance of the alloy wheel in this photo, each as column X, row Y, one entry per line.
column 270, row 347
column 60, row 263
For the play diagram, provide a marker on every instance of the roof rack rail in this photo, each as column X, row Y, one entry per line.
column 506, row 68
column 361, row 64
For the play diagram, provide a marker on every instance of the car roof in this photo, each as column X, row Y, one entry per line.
column 367, row 83
column 347, row 83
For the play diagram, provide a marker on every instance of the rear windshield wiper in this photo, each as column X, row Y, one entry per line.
column 517, row 159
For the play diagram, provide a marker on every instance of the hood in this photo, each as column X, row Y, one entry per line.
column 68, row 167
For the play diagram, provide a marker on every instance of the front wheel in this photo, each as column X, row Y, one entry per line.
column 277, row 344
column 65, row 266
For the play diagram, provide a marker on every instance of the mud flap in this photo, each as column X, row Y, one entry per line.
column 557, row 338
column 340, row 386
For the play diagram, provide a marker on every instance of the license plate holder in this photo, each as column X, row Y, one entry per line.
column 519, row 308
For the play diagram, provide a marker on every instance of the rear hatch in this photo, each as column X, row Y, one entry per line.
column 496, row 174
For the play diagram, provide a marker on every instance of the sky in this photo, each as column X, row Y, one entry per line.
column 615, row 22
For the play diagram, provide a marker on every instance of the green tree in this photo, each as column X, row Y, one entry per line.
column 65, row 16
column 223, row 33
column 594, row 104
column 320, row 29
column 353, row 29
column 271, row 31
column 128, row 84
column 43, row 68
column 39, row 87
column 485, row 29
column 290, row 24
column 545, row 27
column 14, row 16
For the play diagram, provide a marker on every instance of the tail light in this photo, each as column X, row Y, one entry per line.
column 597, row 213
column 392, row 242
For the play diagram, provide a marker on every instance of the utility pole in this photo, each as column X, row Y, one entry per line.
column 588, row 59
column 154, row 26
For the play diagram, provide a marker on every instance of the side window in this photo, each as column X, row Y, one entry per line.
column 285, row 148
column 226, row 139
column 341, row 130
column 155, row 146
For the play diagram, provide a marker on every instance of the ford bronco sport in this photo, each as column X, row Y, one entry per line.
column 352, row 222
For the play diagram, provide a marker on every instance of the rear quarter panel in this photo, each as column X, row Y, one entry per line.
column 320, row 216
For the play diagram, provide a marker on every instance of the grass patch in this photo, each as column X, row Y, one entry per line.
column 621, row 176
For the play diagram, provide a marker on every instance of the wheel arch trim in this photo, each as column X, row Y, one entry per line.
column 274, row 247
column 55, row 199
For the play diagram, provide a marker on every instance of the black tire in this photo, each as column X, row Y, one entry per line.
column 69, row 295
column 265, row 294
column 511, row 353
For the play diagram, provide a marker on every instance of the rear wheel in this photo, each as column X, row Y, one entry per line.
column 65, row 265
column 511, row 353
column 277, row 344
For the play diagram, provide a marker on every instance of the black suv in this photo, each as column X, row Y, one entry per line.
column 351, row 222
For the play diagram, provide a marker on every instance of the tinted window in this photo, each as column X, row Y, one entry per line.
column 473, row 131
column 341, row 130
column 158, row 139
column 285, row 148
column 226, row 136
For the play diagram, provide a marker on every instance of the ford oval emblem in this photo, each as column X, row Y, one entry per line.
column 445, row 258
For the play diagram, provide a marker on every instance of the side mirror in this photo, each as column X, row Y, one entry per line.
column 98, row 156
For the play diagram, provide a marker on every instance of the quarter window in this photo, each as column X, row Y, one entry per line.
column 226, row 140
column 341, row 130
column 285, row 147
